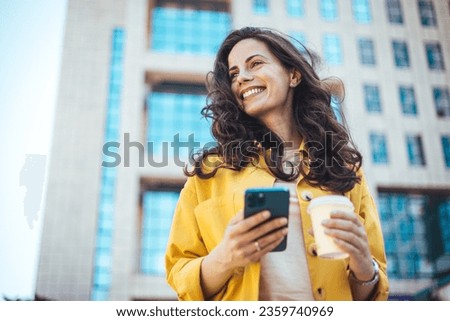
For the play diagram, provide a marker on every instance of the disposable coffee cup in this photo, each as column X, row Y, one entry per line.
column 319, row 210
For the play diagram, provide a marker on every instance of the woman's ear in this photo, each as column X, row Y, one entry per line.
column 296, row 78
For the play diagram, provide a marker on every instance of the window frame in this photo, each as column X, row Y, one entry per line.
column 394, row 11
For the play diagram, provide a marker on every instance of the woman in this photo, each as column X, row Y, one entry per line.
column 274, row 126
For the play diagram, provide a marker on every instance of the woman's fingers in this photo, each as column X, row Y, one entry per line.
column 265, row 228
column 273, row 242
column 347, row 229
column 348, row 233
column 347, row 216
column 247, row 224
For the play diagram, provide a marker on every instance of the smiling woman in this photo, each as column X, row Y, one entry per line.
column 273, row 120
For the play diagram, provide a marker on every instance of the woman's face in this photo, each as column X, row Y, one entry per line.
column 260, row 83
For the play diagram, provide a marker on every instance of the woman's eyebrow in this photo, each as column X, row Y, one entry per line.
column 247, row 60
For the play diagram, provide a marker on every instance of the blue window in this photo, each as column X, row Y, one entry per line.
column 446, row 150
column 401, row 55
column 434, row 56
column 372, row 98
column 296, row 8
column 405, row 235
column 416, row 155
column 261, row 7
column 427, row 13
column 332, row 49
column 408, row 100
column 158, row 207
column 103, row 243
column 361, row 11
column 442, row 101
column 329, row 9
column 366, row 51
column 378, row 148
column 337, row 108
column 395, row 12
column 179, row 30
column 444, row 218
column 175, row 125
column 299, row 40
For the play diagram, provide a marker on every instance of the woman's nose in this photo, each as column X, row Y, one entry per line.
column 244, row 76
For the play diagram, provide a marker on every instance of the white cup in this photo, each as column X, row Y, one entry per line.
column 319, row 210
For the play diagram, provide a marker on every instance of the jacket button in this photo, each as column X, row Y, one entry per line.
column 320, row 292
column 312, row 249
column 306, row 196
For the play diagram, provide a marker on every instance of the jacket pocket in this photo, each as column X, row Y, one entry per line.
column 213, row 216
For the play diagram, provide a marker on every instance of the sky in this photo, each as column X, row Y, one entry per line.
column 31, row 39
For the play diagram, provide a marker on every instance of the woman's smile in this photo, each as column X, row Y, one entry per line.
column 251, row 92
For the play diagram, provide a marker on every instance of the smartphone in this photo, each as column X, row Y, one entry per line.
column 273, row 199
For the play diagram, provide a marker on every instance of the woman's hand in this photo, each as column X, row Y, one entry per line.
column 244, row 241
column 247, row 240
column 350, row 235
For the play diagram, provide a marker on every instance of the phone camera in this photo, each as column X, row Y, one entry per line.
column 256, row 200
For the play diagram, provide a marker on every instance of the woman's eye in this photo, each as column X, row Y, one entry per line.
column 233, row 75
column 255, row 63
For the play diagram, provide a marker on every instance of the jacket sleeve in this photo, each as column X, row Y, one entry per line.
column 368, row 212
column 185, row 248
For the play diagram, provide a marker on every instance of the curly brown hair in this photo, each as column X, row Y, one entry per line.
column 330, row 160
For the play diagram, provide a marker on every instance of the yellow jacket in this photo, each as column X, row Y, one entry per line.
column 204, row 210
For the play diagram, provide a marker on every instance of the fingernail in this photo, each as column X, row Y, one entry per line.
column 283, row 220
column 285, row 231
column 266, row 214
column 325, row 222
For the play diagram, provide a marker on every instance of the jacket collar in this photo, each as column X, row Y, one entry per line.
column 263, row 165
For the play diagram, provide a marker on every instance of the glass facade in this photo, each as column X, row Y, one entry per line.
column 394, row 11
column 361, row 11
column 444, row 220
column 168, row 135
column 402, row 219
column 372, row 98
column 401, row 55
column 158, row 208
column 434, row 56
column 179, row 30
column 332, row 49
column 261, row 7
column 105, row 222
column 378, row 146
column 412, row 243
column 295, row 8
column 427, row 13
column 442, row 101
column 408, row 100
column 445, row 140
column 329, row 10
column 416, row 155
column 366, row 51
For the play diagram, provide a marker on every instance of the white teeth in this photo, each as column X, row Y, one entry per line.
column 251, row 92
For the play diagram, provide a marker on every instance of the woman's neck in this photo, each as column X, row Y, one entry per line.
column 285, row 128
